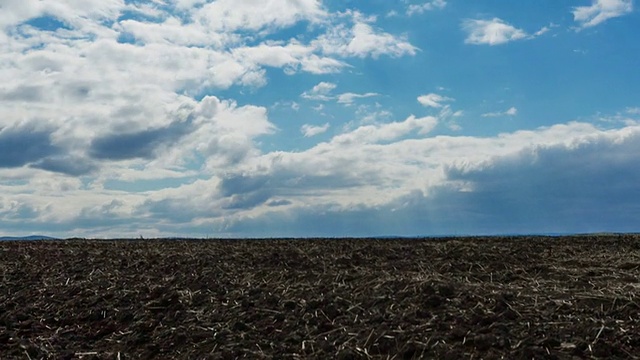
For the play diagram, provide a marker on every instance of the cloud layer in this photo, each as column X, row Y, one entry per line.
column 159, row 118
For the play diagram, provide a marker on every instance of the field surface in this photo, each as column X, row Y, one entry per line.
column 490, row 298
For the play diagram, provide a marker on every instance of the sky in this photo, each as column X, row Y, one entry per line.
column 305, row 118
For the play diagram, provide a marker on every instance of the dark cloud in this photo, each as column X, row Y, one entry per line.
column 20, row 146
column 101, row 215
column 32, row 146
column 281, row 202
column 67, row 165
column 20, row 212
column 140, row 144
column 248, row 200
column 77, row 90
column 591, row 187
column 288, row 181
column 242, row 184
column 98, row 220
column 174, row 211
column 245, row 192
column 28, row 93
column 323, row 221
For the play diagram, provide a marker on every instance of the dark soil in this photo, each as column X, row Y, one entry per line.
column 524, row 297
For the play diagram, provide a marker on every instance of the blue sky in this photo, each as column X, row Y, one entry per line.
column 233, row 118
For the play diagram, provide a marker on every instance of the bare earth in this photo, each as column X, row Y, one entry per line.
column 523, row 297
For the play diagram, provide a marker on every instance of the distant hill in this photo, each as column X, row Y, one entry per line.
column 30, row 237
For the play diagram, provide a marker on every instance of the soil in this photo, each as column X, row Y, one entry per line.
column 520, row 297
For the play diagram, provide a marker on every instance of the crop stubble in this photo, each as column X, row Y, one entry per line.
column 520, row 297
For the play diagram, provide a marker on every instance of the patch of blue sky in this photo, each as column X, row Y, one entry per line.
column 47, row 23
column 29, row 28
column 127, row 38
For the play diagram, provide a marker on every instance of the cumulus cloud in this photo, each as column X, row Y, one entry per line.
column 362, row 40
column 225, row 132
column 79, row 14
column 537, row 176
column 388, row 131
column 292, row 57
column 66, row 164
column 257, row 15
column 140, row 144
column 22, row 145
column 600, row 11
column 491, row 32
column 542, row 31
column 313, row 130
column 423, row 184
column 564, row 182
column 348, row 98
column 433, row 100
column 512, row 111
column 112, row 85
column 414, row 9
column 321, row 91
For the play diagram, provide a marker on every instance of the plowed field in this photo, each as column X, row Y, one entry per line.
column 522, row 297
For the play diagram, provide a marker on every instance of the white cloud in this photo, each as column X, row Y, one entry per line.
column 628, row 117
column 173, row 31
column 414, row 9
column 542, row 31
column 512, row 111
column 77, row 13
column 366, row 116
column 313, row 130
column 600, row 11
column 491, row 32
column 433, row 100
column 322, row 91
column 233, row 15
column 392, row 13
column 362, row 40
column 348, row 98
column 291, row 57
column 387, row 132
column 225, row 135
